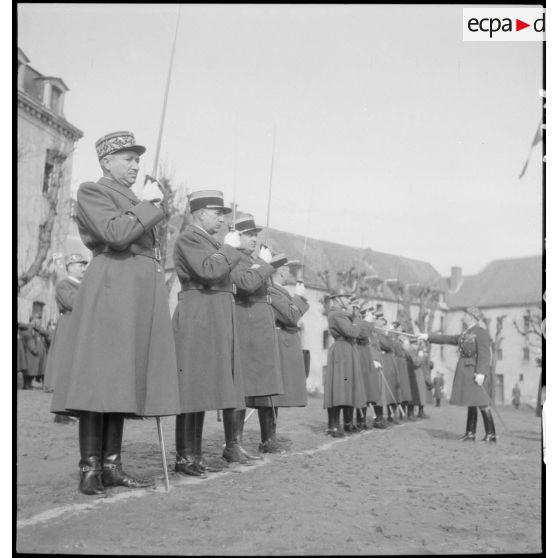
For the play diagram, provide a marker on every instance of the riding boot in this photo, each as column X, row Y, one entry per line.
column 185, row 436
column 339, row 433
column 269, row 444
column 361, row 419
column 113, row 475
column 200, row 464
column 471, row 426
column 348, row 419
column 421, row 412
column 410, row 412
column 90, row 448
column 489, row 427
column 240, row 417
column 392, row 407
column 232, row 452
column 379, row 420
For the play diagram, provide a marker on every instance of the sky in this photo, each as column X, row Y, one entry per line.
column 391, row 132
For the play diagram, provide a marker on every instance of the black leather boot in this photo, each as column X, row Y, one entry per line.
column 113, row 475
column 392, row 408
column 421, row 412
column 361, row 419
column 348, row 419
column 489, row 427
column 200, row 464
column 91, row 448
column 471, row 426
column 338, row 431
column 185, row 437
column 333, row 428
column 269, row 443
column 232, row 452
column 410, row 412
column 379, row 420
column 240, row 417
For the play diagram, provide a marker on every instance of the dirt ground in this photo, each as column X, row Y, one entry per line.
column 412, row 489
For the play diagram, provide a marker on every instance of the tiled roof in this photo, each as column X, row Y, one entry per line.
column 500, row 283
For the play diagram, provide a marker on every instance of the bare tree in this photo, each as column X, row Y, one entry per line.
column 495, row 346
column 56, row 159
column 532, row 329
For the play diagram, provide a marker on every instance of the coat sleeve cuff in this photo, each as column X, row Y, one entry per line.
column 147, row 214
column 232, row 255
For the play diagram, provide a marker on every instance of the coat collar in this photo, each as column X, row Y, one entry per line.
column 127, row 192
column 198, row 230
column 280, row 288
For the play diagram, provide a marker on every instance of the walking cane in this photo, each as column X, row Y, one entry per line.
column 252, row 411
column 152, row 177
column 163, row 454
column 391, row 392
column 495, row 410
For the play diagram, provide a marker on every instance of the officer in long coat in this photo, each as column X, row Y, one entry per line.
column 259, row 347
column 471, row 383
column 65, row 293
column 288, row 310
column 120, row 357
column 205, row 332
column 389, row 367
column 344, row 386
column 415, row 358
column 377, row 377
column 405, row 395
column 34, row 339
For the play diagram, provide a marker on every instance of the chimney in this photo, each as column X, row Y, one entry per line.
column 455, row 278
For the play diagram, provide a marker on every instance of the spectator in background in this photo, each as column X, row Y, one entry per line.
column 516, row 396
column 438, row 386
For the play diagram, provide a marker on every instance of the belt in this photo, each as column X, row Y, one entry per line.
column 347, row 340
column 153, row 253
column 250, row 299
column 204, row 289
column 290, row 329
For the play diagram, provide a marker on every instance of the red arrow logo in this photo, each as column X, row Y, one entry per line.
column 519, row 25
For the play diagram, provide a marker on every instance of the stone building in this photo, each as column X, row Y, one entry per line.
column 45, row 142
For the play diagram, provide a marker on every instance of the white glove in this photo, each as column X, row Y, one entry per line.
column 369, row 317
column 232, row 238
column 479, row 379
column 299, row 289
column 376, row 364
column 265, row 254
column 421, row 353
column 423, row 336
column 152, row 192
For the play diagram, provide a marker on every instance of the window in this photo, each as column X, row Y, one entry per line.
column 38, row 308
column 521, row 377
column 526, row 354
column 500, row 354
column 442, row 323
column 55, row 98
column 325, row 339
column 47, row 180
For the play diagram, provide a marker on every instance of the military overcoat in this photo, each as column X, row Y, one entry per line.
column 474, row 358
column 204, row 323
column 288, row 310
column 259, row 348
column 65, row 293
column 438, row 383
column 389, row 369
column 416, row 376
column 343, row 378
column 35, row 347
column 120, row 355
column 370, row 375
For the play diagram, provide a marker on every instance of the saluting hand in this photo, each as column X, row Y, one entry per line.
column 423, row 336
column 151, row 192
column 232, row 238
column 265, row 254
column 299, row 288
column 368, row 317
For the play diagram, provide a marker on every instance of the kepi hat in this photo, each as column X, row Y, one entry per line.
column 208, row 199
column 474, row 311
column 246, row 224
column 76, row 258
column 117, row 141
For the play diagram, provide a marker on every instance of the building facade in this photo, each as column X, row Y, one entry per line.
column 45, row 143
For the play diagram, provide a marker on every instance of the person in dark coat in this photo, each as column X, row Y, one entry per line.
column 206, row 333
column 415, row 360
column 288, row 310
column 34, row 339
column 438, row 383
column 405, row 394
column 120, row 358
column 344, row 386
column 516, row 396
column 21, row 357
column 471, row 383
column 388, row 369
column 65, row 293
column 259, row 346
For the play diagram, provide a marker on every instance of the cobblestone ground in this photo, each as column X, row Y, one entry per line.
column 412, row 489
